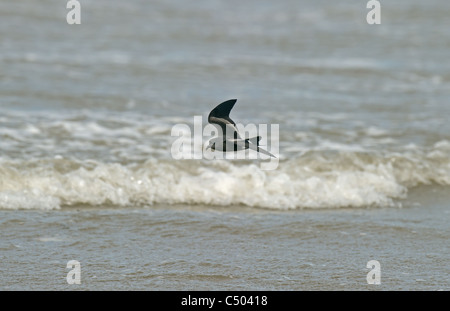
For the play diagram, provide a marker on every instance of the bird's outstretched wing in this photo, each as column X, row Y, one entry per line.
column 221, row 116
column 256, row 147
column 241, row 144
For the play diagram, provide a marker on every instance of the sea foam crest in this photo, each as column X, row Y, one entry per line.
column 316, row 179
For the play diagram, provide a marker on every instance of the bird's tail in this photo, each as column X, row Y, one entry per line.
column 254, row 140
column 253, row 143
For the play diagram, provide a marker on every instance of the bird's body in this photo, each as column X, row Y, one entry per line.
column 230, row 140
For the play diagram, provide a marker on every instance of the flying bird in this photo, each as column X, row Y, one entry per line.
column 230, row 139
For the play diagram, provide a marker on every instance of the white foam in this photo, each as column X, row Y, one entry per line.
column 328, row 168
column 316, row 179
column 375, row 131
column 22, row 200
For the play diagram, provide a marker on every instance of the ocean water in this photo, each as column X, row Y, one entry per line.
column 363, row 150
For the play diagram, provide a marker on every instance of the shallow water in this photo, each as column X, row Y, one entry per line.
column 207, row 248
column 87, row 172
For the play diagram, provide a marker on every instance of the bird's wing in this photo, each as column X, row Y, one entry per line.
column 245, row 143
column 259, row 149
column 221, row 116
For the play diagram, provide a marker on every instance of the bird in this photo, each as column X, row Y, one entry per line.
column 230, row 139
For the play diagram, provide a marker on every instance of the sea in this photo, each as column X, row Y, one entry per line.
column 357, row 115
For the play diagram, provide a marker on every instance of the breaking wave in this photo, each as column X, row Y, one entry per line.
column 315, row 179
